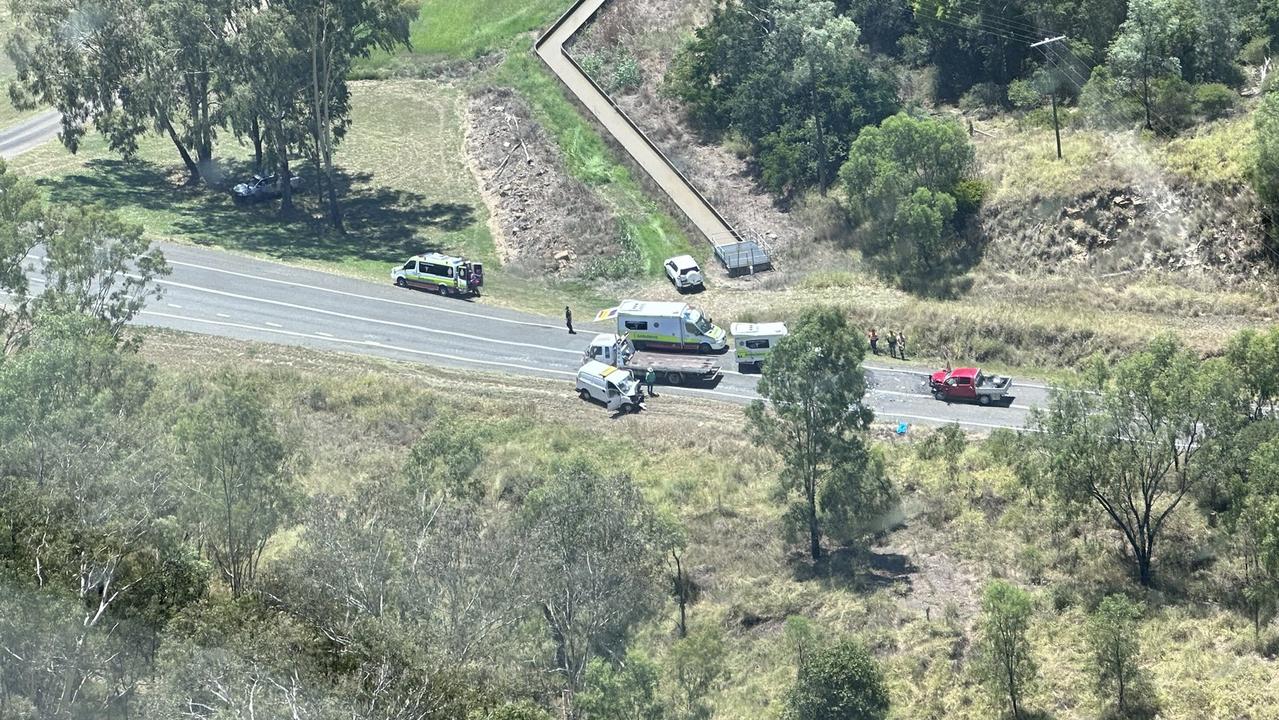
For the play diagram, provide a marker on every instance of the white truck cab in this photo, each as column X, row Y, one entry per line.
column 684, row 273
column 613, row 387
column 753, row 342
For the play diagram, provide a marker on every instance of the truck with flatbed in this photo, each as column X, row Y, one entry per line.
column 670, row 369
column 969, row 385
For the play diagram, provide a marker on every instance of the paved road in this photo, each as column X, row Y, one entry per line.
column 30, row 133
column 218, row 293
column 550, row 48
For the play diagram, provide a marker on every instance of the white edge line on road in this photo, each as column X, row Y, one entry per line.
column 362, row 297
column 899, row 371
column 899, row 393
column 360, row 343
column 495, row 363
column 926, row 374
column 358, row 318
column 947, row 421
column 372, row 343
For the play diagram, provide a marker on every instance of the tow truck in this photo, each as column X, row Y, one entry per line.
column 969, row 385
column 670, row 369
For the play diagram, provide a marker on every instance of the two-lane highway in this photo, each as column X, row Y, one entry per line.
column 219, row 293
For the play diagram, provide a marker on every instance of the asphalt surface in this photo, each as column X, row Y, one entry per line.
column 30, row 133
column 551, row 49
column 219, row 293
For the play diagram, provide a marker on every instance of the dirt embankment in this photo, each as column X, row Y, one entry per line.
column 1129, row 229
column 653, row 31
column 543, row 220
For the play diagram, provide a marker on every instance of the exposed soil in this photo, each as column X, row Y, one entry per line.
column 543, row 220
column 654, row 31
column 1126, row 228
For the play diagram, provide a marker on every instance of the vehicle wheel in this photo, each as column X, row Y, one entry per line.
column 674, row 378
column 703, row 349
column 983, row 399
column 937, row 395
column 584, row 394
column 401, row 282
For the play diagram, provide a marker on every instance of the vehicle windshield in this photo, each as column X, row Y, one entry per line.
column 699, row 321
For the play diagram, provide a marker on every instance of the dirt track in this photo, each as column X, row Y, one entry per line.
column 550, row 47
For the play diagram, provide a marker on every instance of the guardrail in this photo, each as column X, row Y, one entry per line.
column 721, row 250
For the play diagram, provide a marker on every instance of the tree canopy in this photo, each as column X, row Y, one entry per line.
column 791, row 77
column 815, row 417
column 905, row 181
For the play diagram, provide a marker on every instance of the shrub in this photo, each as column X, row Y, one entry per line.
column 1023, row 95
column 615, row 69
column 982, row 99
column 1255, row 51
column 838, row 682
column 1172, row 109
column 1214, row 100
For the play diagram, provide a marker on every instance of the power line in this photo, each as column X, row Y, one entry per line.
column 1061, row 58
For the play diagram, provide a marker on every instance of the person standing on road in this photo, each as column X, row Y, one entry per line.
column 892, row 344
column 650, row 377
column 901, row 344
column 568, row 320
column 874, row 341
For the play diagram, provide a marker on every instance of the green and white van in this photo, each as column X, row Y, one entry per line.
column 753, row 342
column 440, row 273
column 670, row 326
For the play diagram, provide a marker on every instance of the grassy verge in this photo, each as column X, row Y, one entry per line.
column 589, row 159
column 913, row 601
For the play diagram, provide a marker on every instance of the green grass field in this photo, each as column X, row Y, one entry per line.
column 408, row 189
column 469, row 29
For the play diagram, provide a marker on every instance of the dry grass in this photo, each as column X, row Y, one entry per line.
column 919, row 621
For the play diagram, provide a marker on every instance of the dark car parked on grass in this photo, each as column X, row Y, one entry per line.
column 261, row 188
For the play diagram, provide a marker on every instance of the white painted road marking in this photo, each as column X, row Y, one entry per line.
column 358, row 318
column 364, row 297
column 517, row 366
column 274, row 325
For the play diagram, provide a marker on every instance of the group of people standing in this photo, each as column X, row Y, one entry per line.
column 896, row 342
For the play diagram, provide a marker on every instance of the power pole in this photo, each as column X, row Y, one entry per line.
column 1053, row 95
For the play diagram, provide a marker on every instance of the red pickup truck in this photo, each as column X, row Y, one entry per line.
column 969, row 385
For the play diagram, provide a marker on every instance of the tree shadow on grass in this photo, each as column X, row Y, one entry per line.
column 857, row 570
column 383, row 224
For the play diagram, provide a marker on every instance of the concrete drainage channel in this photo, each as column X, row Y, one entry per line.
column 739, row 253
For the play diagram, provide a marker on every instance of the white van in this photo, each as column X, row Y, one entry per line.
column 753, row 342
column 670, row 326
column 440, row 273
column 612, row 387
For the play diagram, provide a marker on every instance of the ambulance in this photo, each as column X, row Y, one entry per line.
column 753, row 342
column 442, row 274
column 666, row 326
